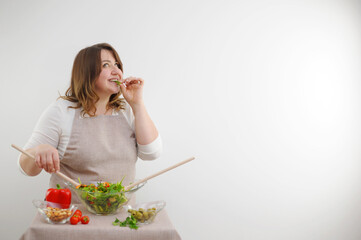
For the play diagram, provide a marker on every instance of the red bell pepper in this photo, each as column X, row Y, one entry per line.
column 59, row 195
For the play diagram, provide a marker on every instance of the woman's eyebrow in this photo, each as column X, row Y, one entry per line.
column 109, row 61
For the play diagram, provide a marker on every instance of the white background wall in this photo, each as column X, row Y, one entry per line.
column 265, row 94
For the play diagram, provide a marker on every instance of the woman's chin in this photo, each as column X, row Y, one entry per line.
column 114, row 90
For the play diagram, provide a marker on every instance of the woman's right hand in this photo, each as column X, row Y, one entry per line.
column 47, row 158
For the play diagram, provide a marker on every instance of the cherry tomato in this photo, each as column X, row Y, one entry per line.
column 84, row 220
column 78, row 213
column 74, row 220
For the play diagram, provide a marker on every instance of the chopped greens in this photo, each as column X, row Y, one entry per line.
column 103, row 198
column 130, row 222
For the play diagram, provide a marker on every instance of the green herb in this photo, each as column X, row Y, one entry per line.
column 130, row 222
column 116, row 222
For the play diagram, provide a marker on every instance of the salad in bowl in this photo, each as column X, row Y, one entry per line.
column 103, row 198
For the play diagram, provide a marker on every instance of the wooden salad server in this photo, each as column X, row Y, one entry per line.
column 158, row 173
column 66, row 178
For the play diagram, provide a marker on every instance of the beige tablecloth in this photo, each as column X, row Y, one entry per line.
column 100, row 227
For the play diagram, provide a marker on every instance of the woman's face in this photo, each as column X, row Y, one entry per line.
column 104, row 86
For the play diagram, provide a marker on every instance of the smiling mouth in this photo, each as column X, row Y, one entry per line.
column 116, row 81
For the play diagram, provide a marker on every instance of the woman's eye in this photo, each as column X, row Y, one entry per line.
column 105, row 64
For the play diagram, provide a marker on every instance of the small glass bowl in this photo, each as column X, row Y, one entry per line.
column 104, row 203
column 148, row 207
column 54, row 213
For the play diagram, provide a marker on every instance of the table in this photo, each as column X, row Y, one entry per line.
column 100, row 227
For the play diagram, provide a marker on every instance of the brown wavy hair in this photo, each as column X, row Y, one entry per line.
column 86, row 69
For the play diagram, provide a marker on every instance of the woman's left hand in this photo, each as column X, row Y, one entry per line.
column 132, row 90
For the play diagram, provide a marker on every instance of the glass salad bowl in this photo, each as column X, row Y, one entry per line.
column 54, row 213
column 145, row 212
column 103, row 198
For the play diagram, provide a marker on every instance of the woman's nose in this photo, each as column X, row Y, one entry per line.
column 117, row 71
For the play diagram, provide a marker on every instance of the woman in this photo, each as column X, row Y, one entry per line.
column 90, row 132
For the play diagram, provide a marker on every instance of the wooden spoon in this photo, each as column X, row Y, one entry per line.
column 158, row 173
column 66, row 178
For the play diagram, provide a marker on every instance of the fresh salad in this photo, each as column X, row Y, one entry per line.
column 103, row 197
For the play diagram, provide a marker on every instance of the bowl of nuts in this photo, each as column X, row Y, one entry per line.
column 145, row 212
column 54, row 213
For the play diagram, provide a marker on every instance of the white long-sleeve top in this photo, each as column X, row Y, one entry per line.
column 55, row 125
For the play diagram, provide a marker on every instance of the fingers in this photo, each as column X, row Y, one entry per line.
column 56, row 162
column 122, row 87
column 47, row 158
column 48, row 166
column 46, row 161
column 38, row 161
column 129, row 83
column 133, row 81
column 132, row 90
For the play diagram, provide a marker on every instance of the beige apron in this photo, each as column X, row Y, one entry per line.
column 101, row 148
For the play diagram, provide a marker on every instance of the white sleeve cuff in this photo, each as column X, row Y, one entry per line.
column 150, row 151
